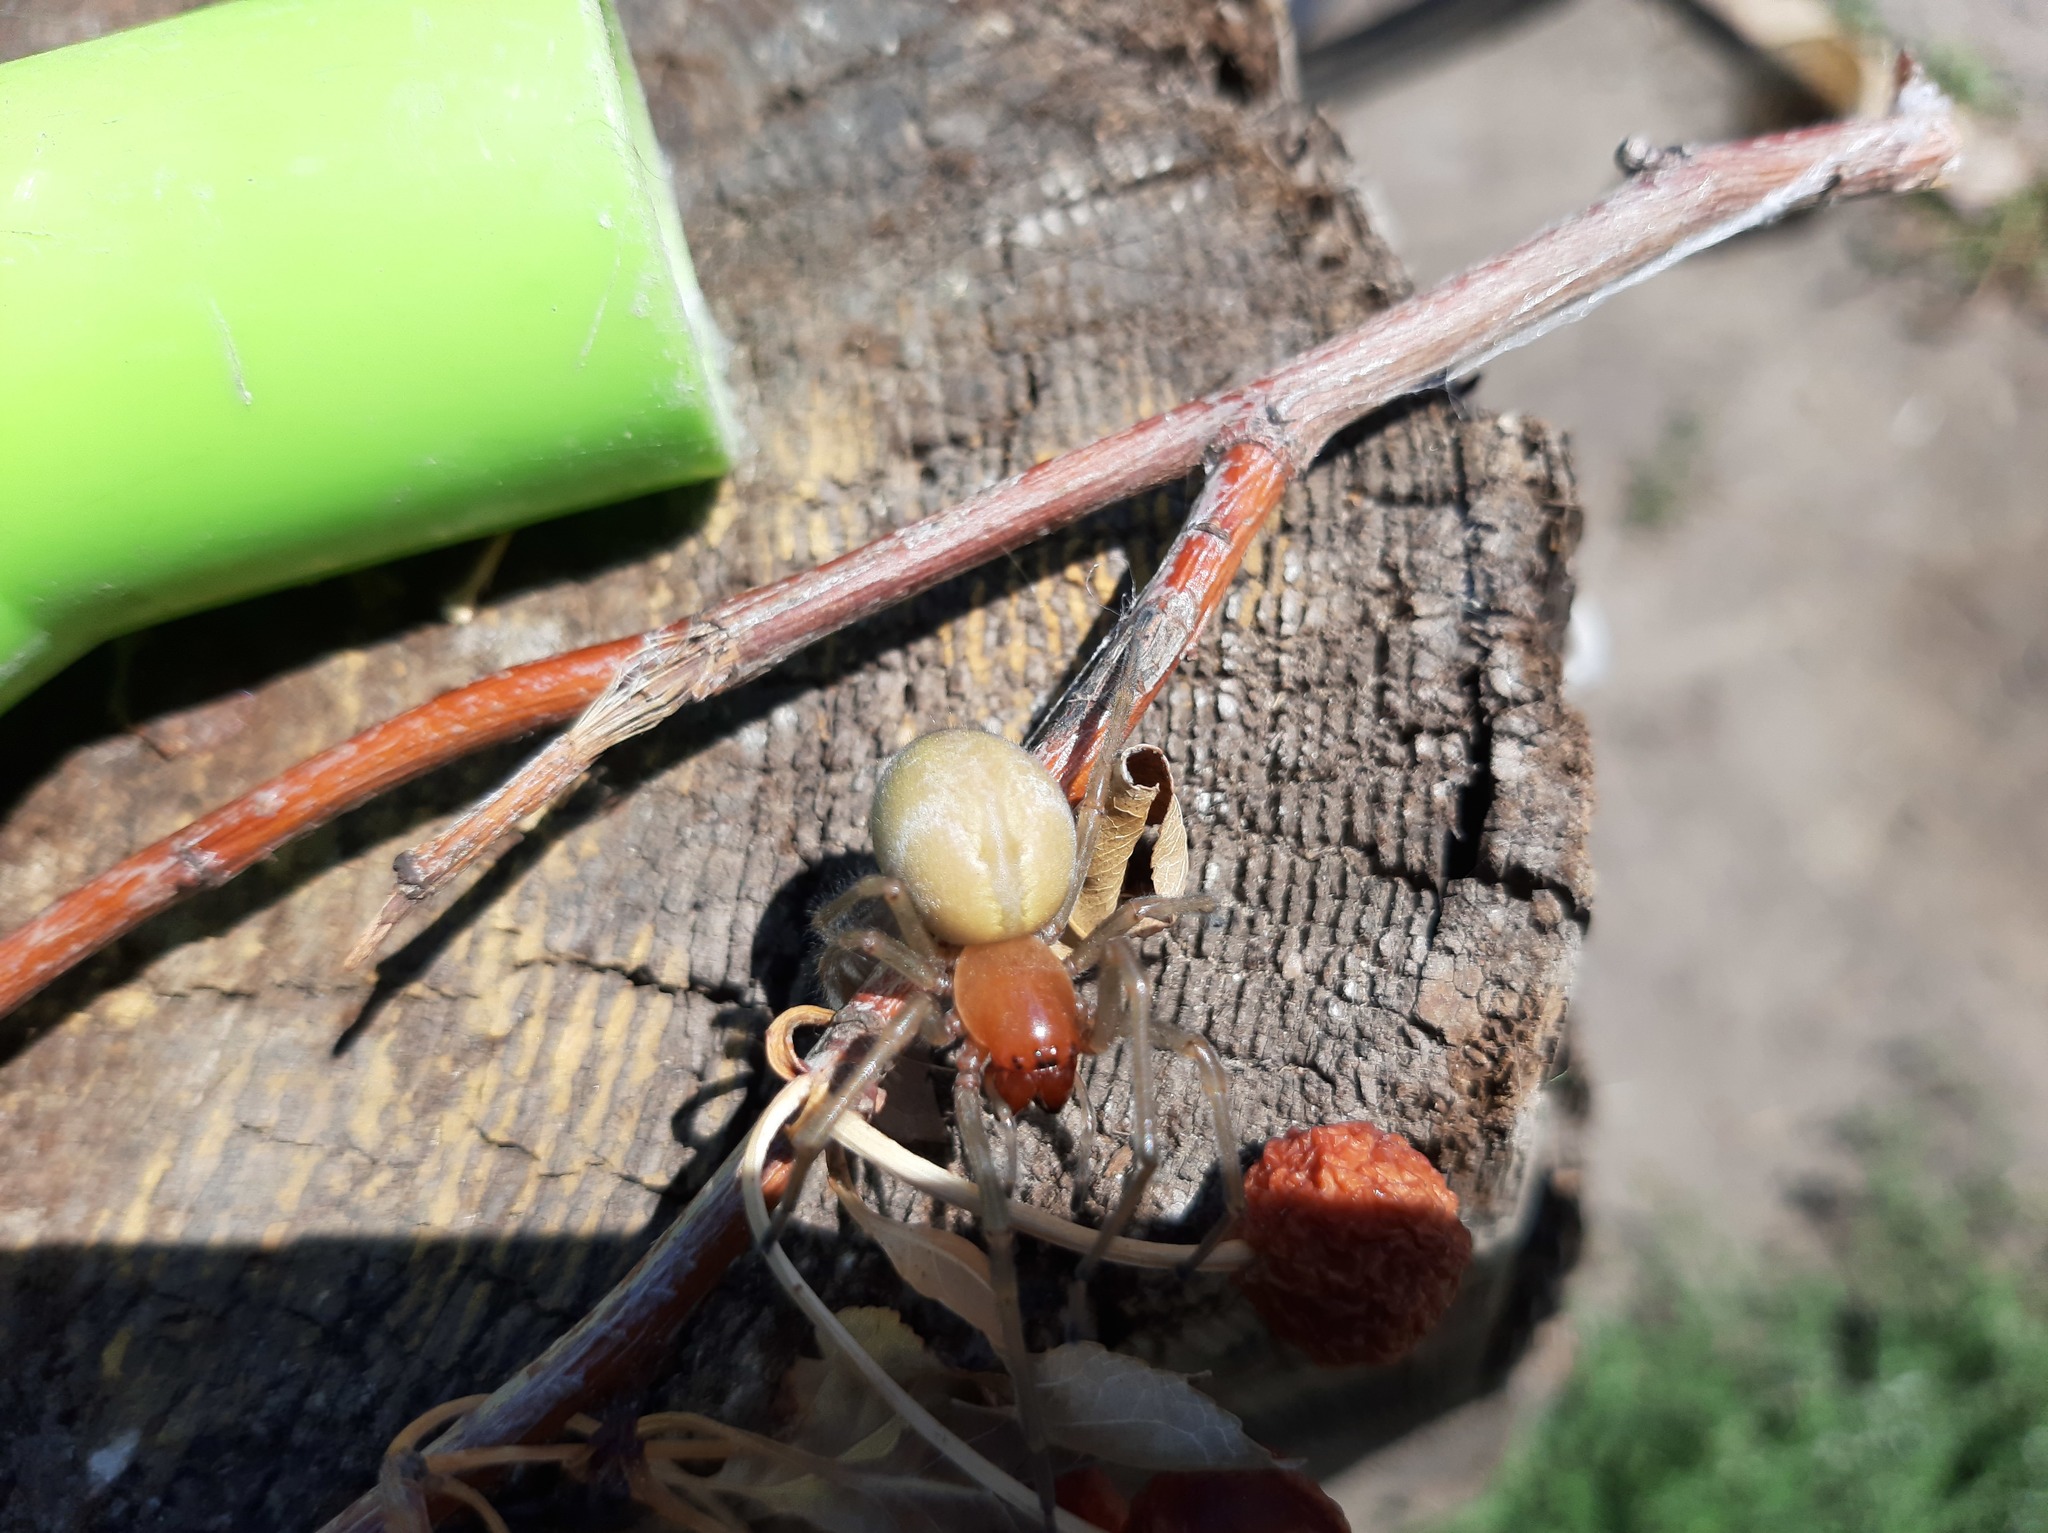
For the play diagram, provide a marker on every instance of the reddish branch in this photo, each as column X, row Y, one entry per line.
column 1161, row 626
column 1674, row 204
column 217, row 846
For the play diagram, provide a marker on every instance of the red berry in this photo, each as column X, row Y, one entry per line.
column 1234, row 1501
column 1358, row 1245
column 1093, row 1497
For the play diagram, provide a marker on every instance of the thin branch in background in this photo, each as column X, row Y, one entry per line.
column 1674, row 204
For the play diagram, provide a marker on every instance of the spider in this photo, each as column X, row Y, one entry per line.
column 982, row 861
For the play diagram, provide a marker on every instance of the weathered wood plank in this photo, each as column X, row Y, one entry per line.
column 259, row 1213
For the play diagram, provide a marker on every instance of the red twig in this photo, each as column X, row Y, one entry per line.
column 1161, row 626
column 1674, row 205
column 217, row 846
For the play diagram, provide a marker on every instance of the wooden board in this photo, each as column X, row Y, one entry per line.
column 258, row 1212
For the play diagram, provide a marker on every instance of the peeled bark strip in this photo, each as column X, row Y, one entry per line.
column 945, row 242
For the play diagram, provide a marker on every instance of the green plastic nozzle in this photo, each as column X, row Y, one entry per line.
column 292, row 286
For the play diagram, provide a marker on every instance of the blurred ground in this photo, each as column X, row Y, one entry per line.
column 1814, row 606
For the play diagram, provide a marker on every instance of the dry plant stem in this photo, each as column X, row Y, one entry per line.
column 1161, row 626
column 861, row 1138
column 217, row 846
column 1677, row 204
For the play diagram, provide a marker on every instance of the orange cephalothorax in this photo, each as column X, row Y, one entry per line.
column 1016, row 1000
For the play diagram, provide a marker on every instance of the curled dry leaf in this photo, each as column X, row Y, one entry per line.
column 1124, row 1411
column 783, row 1057
column 1357, row 1246
column 1140, row 796
column 937, row 1263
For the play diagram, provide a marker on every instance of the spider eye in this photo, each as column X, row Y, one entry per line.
column 978, row 831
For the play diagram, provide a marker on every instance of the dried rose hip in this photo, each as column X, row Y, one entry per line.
column 1093, row 1497
column 1234, row 1501
column 1358, row 1245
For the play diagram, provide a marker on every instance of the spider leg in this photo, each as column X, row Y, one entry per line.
column 1084, row 1137
column 813, row 1127
column 1006, row 1130
column 1002, row 1263
column 1216, row 1087
column 1124, row 1008
column 1145, row 907
column 1079, row 1322
column 866, row 942
column 891, row 892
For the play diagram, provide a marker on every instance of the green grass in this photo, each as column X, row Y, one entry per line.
column 1961, row 71
column 1902, row 1390
column 1661, row 485
column 1967, row 78
column 2006, row 247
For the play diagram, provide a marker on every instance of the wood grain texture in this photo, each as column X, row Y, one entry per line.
column 259, row 1212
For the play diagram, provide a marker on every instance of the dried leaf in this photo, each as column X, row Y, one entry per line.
column 1140, row 795
column 1170, row 848
column 1123, row 1411
column 937, row 1263
column 839, row 1411
column 888, row 1339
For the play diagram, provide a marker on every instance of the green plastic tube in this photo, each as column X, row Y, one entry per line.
column 293, row 286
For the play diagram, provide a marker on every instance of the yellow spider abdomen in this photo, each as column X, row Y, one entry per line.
column 978, row 831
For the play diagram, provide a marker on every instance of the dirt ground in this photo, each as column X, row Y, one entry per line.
column 1813, row 638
